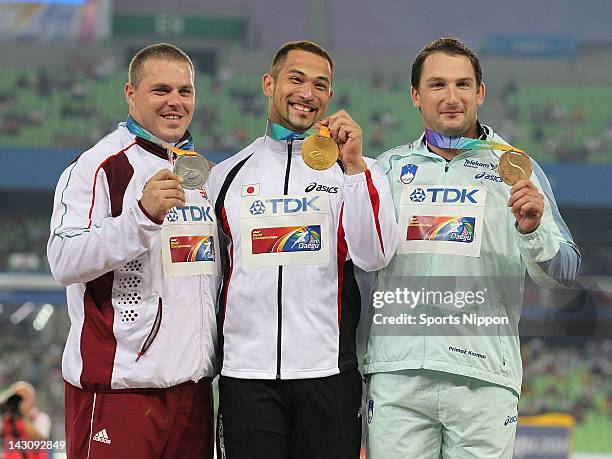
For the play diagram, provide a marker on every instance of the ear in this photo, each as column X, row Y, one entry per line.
column 416, row 100
column 267, row 85
column 331, row 93
column 129, row 95
column 480, row 95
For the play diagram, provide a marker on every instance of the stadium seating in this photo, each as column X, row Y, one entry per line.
column 53, row 108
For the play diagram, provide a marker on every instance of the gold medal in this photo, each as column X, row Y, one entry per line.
column 514, row 166
column 320, row 151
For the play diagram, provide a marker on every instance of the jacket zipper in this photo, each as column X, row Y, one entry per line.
column 153, row 333
column 201, row 328
column 280, row 274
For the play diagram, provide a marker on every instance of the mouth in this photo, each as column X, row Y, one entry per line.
column 452, row 112
column 171, row 116
column 302, row 107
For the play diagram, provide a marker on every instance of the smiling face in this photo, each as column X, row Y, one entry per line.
column 300, row 93
column 163, row 101
column 448, row 95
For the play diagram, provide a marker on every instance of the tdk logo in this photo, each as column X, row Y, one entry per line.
column 446, row 195
column 485, row 176
column 172, row 215
column 292, row 205
column 418, row 195
column 510, row 420
column 284, row 205
column 257, row 208
column 316, row 187
column 189, row 214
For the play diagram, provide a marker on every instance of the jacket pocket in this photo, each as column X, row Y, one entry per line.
column 153, row 333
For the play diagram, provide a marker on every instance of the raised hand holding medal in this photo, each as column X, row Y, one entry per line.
column 347, row 135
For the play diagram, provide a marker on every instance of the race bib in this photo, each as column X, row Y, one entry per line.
column 189, row 241
column 443, row 219
column 285, row 230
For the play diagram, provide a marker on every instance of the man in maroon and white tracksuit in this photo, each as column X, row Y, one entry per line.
column 140, row 354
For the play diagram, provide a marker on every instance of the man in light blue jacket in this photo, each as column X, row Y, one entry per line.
column 443, row 353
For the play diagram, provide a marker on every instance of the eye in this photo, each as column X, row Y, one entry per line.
column 186, row 92
column 160, row 91
column 437, row 84
column 295, row 79
column 321, row 87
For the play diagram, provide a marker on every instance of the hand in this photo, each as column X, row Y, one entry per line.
column 527, row 205
column 27, row 399
column 162, row 192
column 347, row 134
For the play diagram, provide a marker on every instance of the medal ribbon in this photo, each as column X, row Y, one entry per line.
column 436, row 139
column 141, row 132
column 278, row 132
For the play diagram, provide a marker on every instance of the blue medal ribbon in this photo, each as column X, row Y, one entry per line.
column 141, row 132
column 278, row 132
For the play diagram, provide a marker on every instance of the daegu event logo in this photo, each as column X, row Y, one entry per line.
column 445, row 195
column 285, row 206
column 408, row 173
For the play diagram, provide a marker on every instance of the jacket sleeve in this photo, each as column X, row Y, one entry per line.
column 86, row 241
column 551, row 256
column 368, row 218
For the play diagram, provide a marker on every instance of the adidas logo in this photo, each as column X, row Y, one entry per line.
column 102, row 437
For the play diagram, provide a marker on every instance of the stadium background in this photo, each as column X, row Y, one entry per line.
column 547, row 68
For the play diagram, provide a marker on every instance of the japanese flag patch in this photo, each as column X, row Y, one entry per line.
column 250, row 190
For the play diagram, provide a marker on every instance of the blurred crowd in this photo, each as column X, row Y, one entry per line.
column 569, row 377
column 73, row 107
column 563, row 125
column 41, row 96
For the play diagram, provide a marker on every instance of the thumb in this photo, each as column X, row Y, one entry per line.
column 164, row 174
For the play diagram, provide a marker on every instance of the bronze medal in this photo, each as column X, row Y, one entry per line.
column 320, row 151
column 514, row 166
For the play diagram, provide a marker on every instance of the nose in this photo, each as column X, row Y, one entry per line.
column 451, row 96
column 306, row 91
column 174, row 98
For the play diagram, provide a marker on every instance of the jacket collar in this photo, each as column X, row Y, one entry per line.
column 420, row 145
column 277, row 138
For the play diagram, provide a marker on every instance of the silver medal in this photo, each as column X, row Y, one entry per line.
column 193, row 169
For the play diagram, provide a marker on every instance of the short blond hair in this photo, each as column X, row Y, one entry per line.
column 164, row 51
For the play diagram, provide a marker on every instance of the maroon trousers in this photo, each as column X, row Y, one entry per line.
column 176, row 422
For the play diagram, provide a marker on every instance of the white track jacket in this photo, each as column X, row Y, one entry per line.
column 289, row 304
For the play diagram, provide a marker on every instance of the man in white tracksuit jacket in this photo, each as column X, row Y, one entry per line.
column 290, row 305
